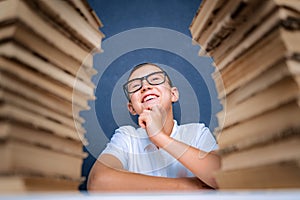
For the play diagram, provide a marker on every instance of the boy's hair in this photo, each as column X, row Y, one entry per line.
column 146, row 63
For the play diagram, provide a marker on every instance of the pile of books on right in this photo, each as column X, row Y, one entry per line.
column 255, row 46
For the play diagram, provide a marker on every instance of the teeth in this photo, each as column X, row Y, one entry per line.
column 149, row 97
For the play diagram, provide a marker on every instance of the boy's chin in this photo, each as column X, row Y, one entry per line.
column 149, row 105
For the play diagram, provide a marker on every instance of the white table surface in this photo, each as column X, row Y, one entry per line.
column 210, row 195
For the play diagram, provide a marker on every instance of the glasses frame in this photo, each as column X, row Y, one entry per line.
column 125, row 86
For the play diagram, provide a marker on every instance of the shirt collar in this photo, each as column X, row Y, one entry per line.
column 150, row 147
column 175, row 128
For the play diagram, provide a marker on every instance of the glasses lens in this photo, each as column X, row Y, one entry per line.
column 156, row 78
column 134, row 85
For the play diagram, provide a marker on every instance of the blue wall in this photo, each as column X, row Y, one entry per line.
column 146, row 31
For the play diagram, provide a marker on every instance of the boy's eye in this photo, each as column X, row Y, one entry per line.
column 155, row 79
column 134, row 85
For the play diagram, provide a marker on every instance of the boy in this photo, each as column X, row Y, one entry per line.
column 160, row 155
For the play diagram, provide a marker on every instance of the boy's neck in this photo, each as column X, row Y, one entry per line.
column 168, row 128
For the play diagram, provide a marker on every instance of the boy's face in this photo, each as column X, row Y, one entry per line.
column 150, row 95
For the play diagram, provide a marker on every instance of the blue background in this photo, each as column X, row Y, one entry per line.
column 122, row 15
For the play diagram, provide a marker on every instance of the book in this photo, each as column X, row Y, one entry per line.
column 22, row 184
column 88, row 13
column 283, row 17
column 279, row 175
column 229, row 26
column 261, row 128
column 19, row 10
column 218, row 15
column 225, row 23
column 34, row 78
column 40, row 96
column 202, row 19
column 17, row 52
column 23, row 103
column 12, row 130
column 284, row 148
column 23, row 35
column 267, row 15
column 282, row 69
column 66, row 17
column 277, row 94
column 15, row 113
column 42, row 161
column 277, row 45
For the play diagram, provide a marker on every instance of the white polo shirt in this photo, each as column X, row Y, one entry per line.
column 138, row 154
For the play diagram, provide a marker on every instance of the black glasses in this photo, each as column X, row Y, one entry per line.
column 134, row 85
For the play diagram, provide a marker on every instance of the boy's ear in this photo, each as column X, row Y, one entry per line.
column 175, row 94
column 130, row 108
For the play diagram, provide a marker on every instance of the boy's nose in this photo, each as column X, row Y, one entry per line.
column 145, row 85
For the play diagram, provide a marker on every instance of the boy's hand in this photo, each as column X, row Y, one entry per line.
column 153, row 120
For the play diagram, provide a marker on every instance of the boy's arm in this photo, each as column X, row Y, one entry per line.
column 108, row 174
column 201, row 164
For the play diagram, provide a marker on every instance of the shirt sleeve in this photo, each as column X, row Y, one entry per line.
column 205, row 140
column 118, row 146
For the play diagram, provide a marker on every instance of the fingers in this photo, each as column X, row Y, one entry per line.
column 144, row 118
column 142, row 123
column 148, row 113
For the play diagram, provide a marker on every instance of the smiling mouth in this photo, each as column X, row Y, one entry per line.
column 149, row 98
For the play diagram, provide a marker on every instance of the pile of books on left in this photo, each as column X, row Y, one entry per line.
column 46, row 66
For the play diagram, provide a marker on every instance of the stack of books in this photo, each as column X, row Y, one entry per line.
column 255, row 46
column 46, row 65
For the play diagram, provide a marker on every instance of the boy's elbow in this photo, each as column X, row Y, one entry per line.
column 213, row 183
column 96, row 180
column 102, row 178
